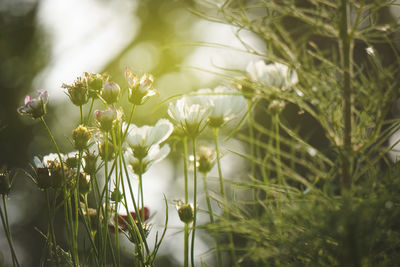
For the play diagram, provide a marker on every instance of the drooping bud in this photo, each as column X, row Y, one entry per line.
column 81, row 136
column 185, row 211
column 106, row 118
column 110, row 92
column 78, row 92
column 35, row 107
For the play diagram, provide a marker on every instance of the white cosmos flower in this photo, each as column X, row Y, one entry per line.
column 275, row 74
column 47, row 160
column 226, row 104
column 154, row 155
column 190, row 113
column 141, row 139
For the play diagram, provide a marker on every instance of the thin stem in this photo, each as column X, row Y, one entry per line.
column 90, row 112
column 186, row 229
column 106, row 197
column 6, row 226
column 81, row 113
column 186, row 246
column 51, row 222
column 222, row 191
column 211, row 215
column 194, row 201
column 252, row 153
column 117, row 180
column 278, row 150
column 129, row 121
column 346, row 45
column 142, row 236
column 67, row 203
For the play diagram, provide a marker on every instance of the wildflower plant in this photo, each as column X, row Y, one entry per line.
column 312, row 112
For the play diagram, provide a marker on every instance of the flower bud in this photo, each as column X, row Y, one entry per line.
column 116, row 195
column 90, row 163
column 35, row 107
column 205, row 159
column 43, row 178
column 102, row 151
column 4, row 183
column 72, row 161
column 84, row 183
column 185, row 212
column 276, row 106
column 78, row 92
column 110, row 92
column 81, row 137
column 106, row 118
column 95, row 83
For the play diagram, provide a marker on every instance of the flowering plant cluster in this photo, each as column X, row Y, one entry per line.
column 310, row 128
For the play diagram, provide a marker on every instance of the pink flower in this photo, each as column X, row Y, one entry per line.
column 106, row 118
column 35, row 107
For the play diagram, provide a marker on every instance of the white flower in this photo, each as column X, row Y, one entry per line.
column 141, row 139
column 226, row 104
column 154, row 155
column 275, row 74
column 47, row 160
column 190, row 113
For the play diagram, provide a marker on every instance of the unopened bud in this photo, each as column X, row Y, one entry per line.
column 81, row 137
column 110, row 151
column 185, row 212
column 206, row 159
column 110, row 92
column 90, row 163
column 95, row 83
column 84, row 184
column 276, row 106
column 43, row 178
column 106, row 118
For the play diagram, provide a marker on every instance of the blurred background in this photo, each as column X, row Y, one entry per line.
column 46, row 43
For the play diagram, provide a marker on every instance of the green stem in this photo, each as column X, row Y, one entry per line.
column 186, row 229
column 142, row 236
column 81, row 113
column 117, row 181
column 186, row 246
column 346, row 45
column 278, row 151
column 222, row 191
column 6, row 226
column 50, row 212
column 67, row 203
column 211, row 215
column 129, row 121
column 87, row 222
column 90, row 112
column 194, row 201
